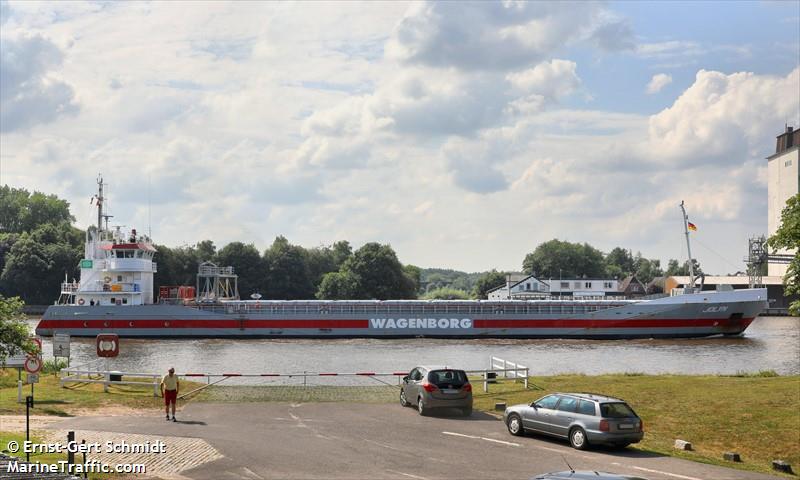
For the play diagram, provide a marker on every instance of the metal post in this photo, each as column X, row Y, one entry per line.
column 156, row 384
column 28, row 406
column 304, row 378
column 19, row 391
column 527, row 373
column 108, row 379
column 85, row 473
column 71, row 451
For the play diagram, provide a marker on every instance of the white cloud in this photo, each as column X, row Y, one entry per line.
column 30, row 91
column 659, row 81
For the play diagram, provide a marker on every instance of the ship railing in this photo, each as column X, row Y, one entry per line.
column 70, row 287
column 92, row 373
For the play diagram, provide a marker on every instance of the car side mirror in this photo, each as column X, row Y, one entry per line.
column 405, row 379
column 535, row 405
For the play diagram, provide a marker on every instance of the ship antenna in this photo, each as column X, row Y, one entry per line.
column 688, row 246
column 99, row 202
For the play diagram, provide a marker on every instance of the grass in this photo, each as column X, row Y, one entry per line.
column 51, row 399
column 755, row 415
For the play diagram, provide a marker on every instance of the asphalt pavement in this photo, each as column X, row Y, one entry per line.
column 382, row 441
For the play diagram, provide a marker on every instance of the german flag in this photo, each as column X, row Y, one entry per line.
column 692, row 226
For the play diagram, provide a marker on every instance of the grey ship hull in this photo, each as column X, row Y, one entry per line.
column 697, row 315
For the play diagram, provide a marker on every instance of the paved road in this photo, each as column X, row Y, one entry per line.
column 381, row 441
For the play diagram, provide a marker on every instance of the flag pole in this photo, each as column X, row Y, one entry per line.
column 688, row 246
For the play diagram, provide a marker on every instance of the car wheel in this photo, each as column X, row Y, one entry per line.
column 466, row 411
column 403, row 400
column 577, row 439
column 421, row 408
column 514, row 425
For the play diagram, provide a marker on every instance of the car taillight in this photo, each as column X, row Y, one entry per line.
column 641, row 426
column 604, row 425
column 429, row 387
column 467, row 387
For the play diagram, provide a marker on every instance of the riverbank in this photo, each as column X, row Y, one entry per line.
column 753, row 415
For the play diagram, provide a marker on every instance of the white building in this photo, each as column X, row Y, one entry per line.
column 783, row 175
column 519, row 289
column 584, row 287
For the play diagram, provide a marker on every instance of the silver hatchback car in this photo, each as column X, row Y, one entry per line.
column 583, row 418
column 436, row 387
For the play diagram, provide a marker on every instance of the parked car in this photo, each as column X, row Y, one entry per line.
column 582, row 418
column 430, row 388
column 573, row 475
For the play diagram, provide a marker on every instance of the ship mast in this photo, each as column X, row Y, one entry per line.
column 100, row 203
column 688, row 246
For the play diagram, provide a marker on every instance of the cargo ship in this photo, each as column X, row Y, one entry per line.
column 115, row 295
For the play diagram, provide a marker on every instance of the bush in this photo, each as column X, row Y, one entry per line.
column 53, row 366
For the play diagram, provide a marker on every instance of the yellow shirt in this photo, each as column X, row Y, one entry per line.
column 170, row 382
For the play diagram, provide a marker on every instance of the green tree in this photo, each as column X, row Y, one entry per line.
column 14, row 332
column 646, row 270
column 206, row 251
column 488, row 281
column 415, row 274
column 379, row 273
column 288, row 276
column 788, row 236
column 21, row 211
column 247, row 264
column 446, row 293
column 26, row 271
column 619, row 263
column 556, row 258
column 339, row 286
column 676, row 269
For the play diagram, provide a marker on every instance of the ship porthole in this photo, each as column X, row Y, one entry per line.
column 105, row 324
column 85, row 324
column 166, row 324
column 130, row 324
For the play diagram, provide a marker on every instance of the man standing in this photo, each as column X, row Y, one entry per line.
column 169, row 390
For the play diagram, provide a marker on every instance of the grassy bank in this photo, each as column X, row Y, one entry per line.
column 755, row 416
column 51, row 399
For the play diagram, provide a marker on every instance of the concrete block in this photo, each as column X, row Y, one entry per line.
column 781, row 466
column 500, row 406
column 731, row 457
column 683, row 445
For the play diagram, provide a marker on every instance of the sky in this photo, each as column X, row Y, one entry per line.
column 463, row 134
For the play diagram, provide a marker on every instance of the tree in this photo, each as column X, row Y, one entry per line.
column 415, row 274
column 488, row 281
column 446, row 293
column 26, row 271
column 288, row 276
column 619, row 263
column 647, row 270
column 206, row 251
column 14, row 334
column 21, row 211
column 379, row 273
column 339, row 286
column 788, row 236
column 676, row 269
column 560, row 259
column 247, row 264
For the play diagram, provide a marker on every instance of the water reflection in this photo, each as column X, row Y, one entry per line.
column 771, row 343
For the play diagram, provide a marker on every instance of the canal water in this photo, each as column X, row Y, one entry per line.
column 770, row 343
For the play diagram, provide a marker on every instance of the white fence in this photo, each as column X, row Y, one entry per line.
column 509, row 369
column 92, row 373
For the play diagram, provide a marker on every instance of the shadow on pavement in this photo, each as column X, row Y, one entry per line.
column 191, row 422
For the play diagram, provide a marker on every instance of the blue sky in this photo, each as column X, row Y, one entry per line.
column 464, row 134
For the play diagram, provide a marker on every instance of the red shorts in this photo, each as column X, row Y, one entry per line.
column 170, row 396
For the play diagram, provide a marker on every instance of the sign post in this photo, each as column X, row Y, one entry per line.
column 61, row 346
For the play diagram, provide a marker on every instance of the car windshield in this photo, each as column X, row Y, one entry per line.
column 447, row 377
column 616, row 410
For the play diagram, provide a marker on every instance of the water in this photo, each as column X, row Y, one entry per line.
column 770, row 343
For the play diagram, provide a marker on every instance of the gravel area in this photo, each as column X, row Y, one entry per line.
column 299, row 393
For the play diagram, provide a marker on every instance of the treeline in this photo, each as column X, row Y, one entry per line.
column 39, row 247
column 291, row 272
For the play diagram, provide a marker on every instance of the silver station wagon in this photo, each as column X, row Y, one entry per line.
column 583, row 418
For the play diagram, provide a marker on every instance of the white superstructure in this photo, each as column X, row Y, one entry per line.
column 117, row 268
column 783, row 173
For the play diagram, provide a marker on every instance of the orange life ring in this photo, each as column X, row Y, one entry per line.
column 80, row 301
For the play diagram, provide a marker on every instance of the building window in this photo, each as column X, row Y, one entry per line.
column 588, row 284
column 787, row 163
column 564, row 285
column 527, row 286
column 119, row 278
column 577, row 285
column 606, row 284
column 124, row 301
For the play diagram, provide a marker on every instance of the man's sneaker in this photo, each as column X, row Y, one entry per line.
column 168, row 418
column 174, row 419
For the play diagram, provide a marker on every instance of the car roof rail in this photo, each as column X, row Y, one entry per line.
column 591, row 394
